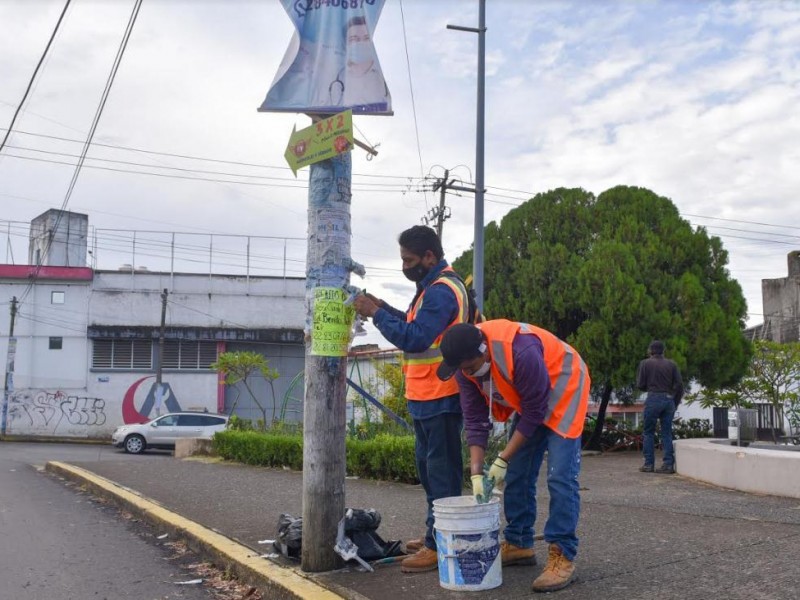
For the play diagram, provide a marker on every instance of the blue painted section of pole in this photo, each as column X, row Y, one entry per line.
column 377, row 403
column 328, row 264
column 477, row 256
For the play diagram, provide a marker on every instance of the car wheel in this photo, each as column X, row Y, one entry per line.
column 134, row 444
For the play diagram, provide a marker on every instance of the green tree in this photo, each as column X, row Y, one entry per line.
column 610, row 274
column 241, row 366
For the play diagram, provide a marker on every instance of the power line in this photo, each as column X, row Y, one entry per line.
column 33, row 77
column 92, row 129
column 190, row 157
column 413, row 102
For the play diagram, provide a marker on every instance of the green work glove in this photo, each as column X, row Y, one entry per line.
column 498, row 470
column 477, row 487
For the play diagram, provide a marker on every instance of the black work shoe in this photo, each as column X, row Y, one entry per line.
column 646, row 468
column 666, row 469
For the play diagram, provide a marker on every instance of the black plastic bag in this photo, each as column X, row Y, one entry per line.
column 360, row 526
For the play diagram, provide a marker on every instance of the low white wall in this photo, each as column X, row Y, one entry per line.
column 773, row 472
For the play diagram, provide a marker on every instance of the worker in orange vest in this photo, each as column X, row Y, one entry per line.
column 441, row 301
column 508, row 369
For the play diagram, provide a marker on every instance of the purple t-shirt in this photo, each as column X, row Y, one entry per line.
column 531, row 381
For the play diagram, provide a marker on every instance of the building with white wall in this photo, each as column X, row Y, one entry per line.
column 86, row 342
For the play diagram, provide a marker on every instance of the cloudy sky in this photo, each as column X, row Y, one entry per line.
column 697, row 101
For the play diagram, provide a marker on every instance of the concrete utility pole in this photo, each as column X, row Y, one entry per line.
column 328, row 264
column 477, row 255
column 160, row 367
column 8, row 388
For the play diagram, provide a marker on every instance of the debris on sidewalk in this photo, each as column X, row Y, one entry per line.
column 190, row 582
column 360, row 526
column 346, row 548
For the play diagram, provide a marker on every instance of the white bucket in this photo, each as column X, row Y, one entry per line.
column 467, row 543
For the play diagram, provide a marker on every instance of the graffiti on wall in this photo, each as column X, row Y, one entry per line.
column 46, row 410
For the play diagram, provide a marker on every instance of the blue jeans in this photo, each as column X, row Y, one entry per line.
column 519, row 498
column 439, row 462
column 658, row 406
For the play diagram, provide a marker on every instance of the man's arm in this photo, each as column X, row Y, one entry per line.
column 476, row 414
column 677, row 381
column 641, row 377
column 439, row 308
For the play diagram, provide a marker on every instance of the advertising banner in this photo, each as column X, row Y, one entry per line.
column 331, row 63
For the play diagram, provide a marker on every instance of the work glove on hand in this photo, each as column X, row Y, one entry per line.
column 498, row 470
column 477, row 487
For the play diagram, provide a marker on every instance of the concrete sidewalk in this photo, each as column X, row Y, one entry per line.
column 642, row 535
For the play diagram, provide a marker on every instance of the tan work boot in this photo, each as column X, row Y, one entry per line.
column 424, row 560
column 515, row 555
column 415, row 545
column 557, row 574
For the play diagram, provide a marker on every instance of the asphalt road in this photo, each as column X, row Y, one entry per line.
column 57, row 542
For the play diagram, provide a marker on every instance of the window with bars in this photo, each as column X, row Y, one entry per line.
column 189, row 355
column 122, row 354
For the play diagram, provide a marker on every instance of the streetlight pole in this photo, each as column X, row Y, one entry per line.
column 477, row 254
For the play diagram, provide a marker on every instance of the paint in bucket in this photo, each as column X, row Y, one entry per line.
column 467, row 543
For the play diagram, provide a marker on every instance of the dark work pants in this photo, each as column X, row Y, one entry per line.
column 439, row 461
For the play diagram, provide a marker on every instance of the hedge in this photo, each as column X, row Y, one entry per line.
column 386, row 457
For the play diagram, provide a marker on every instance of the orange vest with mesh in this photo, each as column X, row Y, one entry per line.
column 569, row 377
column 419, row 368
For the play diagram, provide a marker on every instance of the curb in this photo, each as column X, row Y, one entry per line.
column 272, row 579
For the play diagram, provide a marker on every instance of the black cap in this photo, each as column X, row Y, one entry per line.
column 459, row 343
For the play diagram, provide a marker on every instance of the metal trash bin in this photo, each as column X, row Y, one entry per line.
column 742, row 425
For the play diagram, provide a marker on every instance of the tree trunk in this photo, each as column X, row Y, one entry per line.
column 594, row 440
column 324, row 411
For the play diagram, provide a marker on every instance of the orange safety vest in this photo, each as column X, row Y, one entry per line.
column 569, row 377
column 419, row 368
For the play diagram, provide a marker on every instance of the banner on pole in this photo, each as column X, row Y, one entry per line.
column 323, row 140
column 331, row 62
column 332, row 321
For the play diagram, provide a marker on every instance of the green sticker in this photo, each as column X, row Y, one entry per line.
column 330, row 334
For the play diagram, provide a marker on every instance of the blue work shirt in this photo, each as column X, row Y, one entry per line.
column 438, row 310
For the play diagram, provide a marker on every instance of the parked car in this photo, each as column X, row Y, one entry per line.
column 164, row 431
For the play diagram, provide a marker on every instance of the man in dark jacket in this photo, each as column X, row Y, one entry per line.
column 441, row 301
column 661, row 379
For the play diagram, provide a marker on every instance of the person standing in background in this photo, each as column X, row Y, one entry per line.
column 661, row 379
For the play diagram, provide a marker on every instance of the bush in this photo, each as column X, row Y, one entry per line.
column 385, row 457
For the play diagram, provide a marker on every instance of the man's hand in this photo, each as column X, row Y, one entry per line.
column 365, row 305
column 498, row 470
column 378, row 302
column 477, row 487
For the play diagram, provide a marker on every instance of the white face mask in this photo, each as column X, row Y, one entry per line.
column 360, row 52
column 483, row 370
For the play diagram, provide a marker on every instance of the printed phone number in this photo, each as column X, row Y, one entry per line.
column 301, row 7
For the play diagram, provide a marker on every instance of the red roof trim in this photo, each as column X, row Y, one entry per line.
column 47, row 273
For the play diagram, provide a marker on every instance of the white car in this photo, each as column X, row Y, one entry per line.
column 164, row 431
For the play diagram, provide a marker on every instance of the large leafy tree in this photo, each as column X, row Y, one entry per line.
column 610, row 274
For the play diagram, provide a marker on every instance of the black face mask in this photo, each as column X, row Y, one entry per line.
column 416, row 273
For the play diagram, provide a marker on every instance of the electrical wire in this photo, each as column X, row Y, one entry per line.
column 33, row 77
column 93, row 128
column 413, row 101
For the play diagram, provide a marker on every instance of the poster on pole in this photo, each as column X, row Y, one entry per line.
column 331, row 63
column 323, row 140
column 332, row 321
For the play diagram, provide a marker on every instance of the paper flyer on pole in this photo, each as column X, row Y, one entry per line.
column 332, row 321
column 331, row 63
